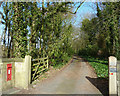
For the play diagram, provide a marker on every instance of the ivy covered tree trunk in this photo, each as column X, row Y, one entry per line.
column 19, row 30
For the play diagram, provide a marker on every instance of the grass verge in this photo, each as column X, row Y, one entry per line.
column 100, row 66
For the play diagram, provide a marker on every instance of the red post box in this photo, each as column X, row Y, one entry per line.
column 9, row 72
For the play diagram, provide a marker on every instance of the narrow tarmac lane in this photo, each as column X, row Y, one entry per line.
column 71, row 80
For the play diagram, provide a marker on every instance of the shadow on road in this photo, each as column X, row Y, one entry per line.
column 102, row 84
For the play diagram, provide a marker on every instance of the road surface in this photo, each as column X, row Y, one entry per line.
column 73, row 79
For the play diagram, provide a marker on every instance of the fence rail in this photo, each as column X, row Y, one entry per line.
column 38, row 66
column 40, row 59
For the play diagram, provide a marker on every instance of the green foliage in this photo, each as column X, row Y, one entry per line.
column 100, row 66
column 61, row 62
column 38, row 29
column 101, row 33
column 90, row 50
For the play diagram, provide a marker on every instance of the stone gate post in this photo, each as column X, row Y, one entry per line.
column 0, row 76
column 23, row 73
column 112, row 75
column 28, row 68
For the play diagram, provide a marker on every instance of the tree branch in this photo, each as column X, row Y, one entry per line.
column 1, row 3
column 2, row 15
column 2, row 22
column 76, row 9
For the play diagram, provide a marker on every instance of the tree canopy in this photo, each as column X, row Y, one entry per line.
column 103, row 30
column 38, row 29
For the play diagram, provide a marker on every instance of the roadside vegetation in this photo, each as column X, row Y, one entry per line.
column 100, row 66
column 41, row 29
column 38, row 29
column 100, row 37
column 61, row 64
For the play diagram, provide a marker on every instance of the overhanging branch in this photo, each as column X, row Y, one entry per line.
column 1, row 3
column 76, row 9
column 2, row 15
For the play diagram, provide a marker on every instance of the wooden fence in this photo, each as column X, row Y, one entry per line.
column 38, row 67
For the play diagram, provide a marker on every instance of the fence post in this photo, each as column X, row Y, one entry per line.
column 0, row 76
column 112, row 75
column 47, row 62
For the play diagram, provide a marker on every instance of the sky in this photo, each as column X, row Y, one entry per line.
column 1, row 26
column 87, row 10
